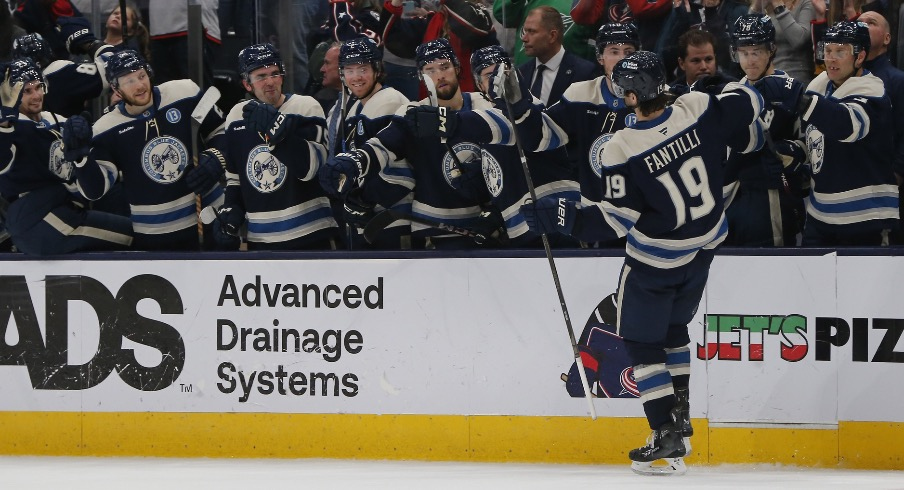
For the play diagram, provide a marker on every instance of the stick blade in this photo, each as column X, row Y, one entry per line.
column 431, row 90
column 378, row 223
column 210, row 97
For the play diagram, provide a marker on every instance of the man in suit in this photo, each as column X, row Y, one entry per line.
column 553, row 69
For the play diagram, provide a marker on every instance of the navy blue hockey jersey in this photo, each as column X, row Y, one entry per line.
column 70, row 85
column 31, row 156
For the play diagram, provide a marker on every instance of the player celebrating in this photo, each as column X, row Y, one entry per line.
column 663, row 189
column 273, row 149
column 362, row 73
column 847, row 119
column 767, row 209
column 148, row 137
column 46, row 215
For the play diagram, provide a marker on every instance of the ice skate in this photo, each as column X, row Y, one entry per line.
column 666, row 444
column 682, row 416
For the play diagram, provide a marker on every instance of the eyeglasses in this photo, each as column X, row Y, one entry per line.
column 264, row 76
column 442, row 68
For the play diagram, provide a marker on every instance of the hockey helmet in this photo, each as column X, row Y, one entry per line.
column 24, row 70
column 360, row 51
column 752, row 30
column 851, row 32
column 122, row 63
column 485, row 57
column 641, row 72
column 258, row 56
column 616, row 33
column 437, row 49
column 32, row 46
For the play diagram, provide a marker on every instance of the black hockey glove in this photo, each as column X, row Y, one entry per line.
column 357, row 213
column 469, row 181
column 266, row 119
column 227, row 228
column 77, row 33
column 77, row 134
column 343, row 173
column 211, row 167
column 710, row 84
column 506, row 85
column 10, row 97
column 426, row 121
column 550, row 215
column 490, row 228
column 793, row 154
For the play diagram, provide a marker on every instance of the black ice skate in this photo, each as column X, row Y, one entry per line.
column 665, row 443
column 682, row 416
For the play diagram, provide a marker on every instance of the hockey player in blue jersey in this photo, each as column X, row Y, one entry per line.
column 148, row 138
column 46, row 214
column 399, row 162
column 371, row 108
column 273, row 148
column 663, row 189
column 765, row 187
column 847, row 122
column 499, row 175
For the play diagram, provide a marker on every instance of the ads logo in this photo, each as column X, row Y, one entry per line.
column 46, row 361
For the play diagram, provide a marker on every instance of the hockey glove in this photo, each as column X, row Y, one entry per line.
column 469, row 182
column 343, row 172
column 793, row 154
column 426, row 121
column 211, row 167
column 10, row 97
column 266, row 119
column 550, row 215
column 507, row 86
column 357, row 213
column 77, row 134
column 77, row 33
column 710, row 84
column 779, row 93
column 227, row 228
column 490, row 228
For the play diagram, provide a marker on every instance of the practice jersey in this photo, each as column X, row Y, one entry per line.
column 152, row 151
column 276, row 185
column 31, row 156
column 663, row 178
column 850, row 138
column 429, row 171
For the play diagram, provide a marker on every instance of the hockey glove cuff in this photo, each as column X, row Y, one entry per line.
column 77, row 33
column 227, row 227
column 357, row 213
column 211, row 167
column 426, row 121
column 793, row 154
column 343, row 173
column 550, row 215
column 266, row 119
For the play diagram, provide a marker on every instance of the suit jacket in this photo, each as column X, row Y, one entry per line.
column 573, row 69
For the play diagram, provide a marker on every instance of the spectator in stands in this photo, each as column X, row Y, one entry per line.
column 715, row 16
column 8, row 32
column 552, row 69
column 138, row 36
column 878, row 64
column 792, row 19
column 351, row 19
column 577, row 39
column 331, row 82
column 648, row 15
column 306, row 20
column 169, row 39
column 465, row 23
column 696, row 59
column 41, row 16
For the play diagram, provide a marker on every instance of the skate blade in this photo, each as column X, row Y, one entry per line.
column 687, row 445
column 672, row 467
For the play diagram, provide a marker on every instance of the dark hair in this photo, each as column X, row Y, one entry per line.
column 657, row 103
column 694, row 37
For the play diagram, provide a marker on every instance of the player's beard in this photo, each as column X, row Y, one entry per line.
column 448, row 92
column 135, row 102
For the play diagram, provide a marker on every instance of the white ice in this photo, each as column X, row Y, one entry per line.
column 267, row 474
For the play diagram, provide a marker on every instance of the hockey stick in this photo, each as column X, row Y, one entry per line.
column 205, row 104
column 434, row 101
column 124, row 21
column 552, row 263
column 384, row 218
column 343, row 103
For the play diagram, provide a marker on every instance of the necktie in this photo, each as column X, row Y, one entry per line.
column 537, row 86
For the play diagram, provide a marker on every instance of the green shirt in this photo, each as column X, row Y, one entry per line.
column 511, row 13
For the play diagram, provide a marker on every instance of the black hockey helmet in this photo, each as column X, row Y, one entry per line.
column 437, row 49
column 32, row 46
column 641, row 72
column 851, row 32
column 752, row 30
column 258, row 56
column 616, row 33
column 360, row 51
column 124, row 62
column 485, row 57
column 25, row 70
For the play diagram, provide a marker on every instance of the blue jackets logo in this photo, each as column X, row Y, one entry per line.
column 163, row 159
column 265, row 172
column 118, row 318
